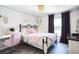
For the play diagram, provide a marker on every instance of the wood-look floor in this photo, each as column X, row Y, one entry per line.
column 60, row 48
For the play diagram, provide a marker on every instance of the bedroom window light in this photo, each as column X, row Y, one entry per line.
column 57, row 25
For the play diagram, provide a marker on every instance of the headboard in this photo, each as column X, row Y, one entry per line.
column 28, row 27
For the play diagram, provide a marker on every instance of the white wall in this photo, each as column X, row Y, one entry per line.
column 15, row 18
column 74, row 15
column 43, row 27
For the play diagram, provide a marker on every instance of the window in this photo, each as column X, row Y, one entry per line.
column 57, row 25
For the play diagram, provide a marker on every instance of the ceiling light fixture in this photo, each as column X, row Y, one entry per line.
column 41, row 7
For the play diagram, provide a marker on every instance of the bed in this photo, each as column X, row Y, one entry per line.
column 37, row 39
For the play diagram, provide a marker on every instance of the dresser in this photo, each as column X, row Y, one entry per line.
column 74, row 44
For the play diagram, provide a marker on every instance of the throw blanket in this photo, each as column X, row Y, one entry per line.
column 35, row 37
column 14, row 39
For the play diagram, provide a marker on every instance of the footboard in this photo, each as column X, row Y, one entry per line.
column 42, row 43
column 46, row 45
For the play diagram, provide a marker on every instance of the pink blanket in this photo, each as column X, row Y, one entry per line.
column 14, row 39
column 35, row 37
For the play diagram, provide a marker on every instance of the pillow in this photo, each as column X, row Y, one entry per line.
column 31, row 30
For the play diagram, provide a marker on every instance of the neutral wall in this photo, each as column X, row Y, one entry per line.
column 15, row 18
column 74, row 16
column 43, row 27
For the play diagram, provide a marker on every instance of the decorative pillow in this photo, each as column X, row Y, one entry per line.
column 31, row 30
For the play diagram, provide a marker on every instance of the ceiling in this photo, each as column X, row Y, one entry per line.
column 48, row 9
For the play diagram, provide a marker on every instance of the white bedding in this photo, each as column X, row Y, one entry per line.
column 36, row 39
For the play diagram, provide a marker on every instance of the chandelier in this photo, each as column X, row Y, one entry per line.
column 40, row 7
